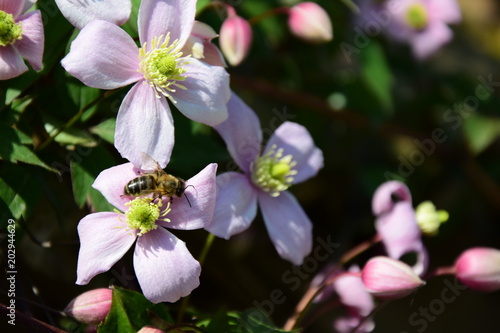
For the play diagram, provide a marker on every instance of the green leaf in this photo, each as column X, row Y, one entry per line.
column 106, row 130
column 219, row 323
column 70, row 136
column 376, row 75
column 86, row 164
column 19, row 191
column 14, row 149
column 201, row 5
column 481, row 131
column 130, row 311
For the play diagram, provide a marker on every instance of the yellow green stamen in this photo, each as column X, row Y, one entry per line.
column 273, row 172
column 429, row 219
column 144, row 213
column 162, row 65
column 10, row 31
column 416, row 16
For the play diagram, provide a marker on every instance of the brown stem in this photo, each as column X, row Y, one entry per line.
column 313, row 291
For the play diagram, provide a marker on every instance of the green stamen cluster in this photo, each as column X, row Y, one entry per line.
column 416, row 16
column 10, row 31
column 143, row 214
column 273, row 172
column 162, row 66
column 429, row 219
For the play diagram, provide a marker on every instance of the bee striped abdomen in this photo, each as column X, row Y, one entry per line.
column 140, row 186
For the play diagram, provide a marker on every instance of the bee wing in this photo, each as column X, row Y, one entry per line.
column 148, row 163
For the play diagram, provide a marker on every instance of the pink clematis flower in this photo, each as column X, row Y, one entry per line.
column 79, row 13
column 289, row 157
column 200, row 46
column 104, row 56
column 396, row 223
column 163, row 265
column 422, row 23
column 21, row 36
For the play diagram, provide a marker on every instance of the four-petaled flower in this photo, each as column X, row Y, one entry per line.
column 164, row 267
column 21, row 36
column 289, row 157
column 422, row 23
column 104, row 56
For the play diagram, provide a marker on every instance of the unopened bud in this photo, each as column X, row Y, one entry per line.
column 479, row 269
column 91, row 307
column 310, row 22
column 384, row 277
column 235, row 38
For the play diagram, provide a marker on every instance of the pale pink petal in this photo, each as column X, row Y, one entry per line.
column 103, row 56
column 111, row 182
column 241, row 133
column 104, row 239
column 447, row 11
column 31, row 45
column 352, row 293
column 164, row 267
column 80, row 13
column 213, row 56
column 144, row 124
column 14, row 7
column 159, row 17
column 27, row 5
column 295, row 139
column 236, row 205
column 289, row 227
column 206, row 95
column 430, row 40
column 11, row 63
column 201, row 193
column 387, row 195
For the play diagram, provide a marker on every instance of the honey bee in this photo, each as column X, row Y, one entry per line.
column 156, row 182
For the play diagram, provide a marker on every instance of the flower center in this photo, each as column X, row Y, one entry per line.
column 416, row 16
column 143, row 214
column 429, row 219
column 162, row 66
column 10, row 31
column 273, row 172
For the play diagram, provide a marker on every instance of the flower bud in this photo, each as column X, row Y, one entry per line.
column 389, row 278
column 310, row 22
column 479, row 269
column 150, row 329
column 91, row 307
column 235, row 38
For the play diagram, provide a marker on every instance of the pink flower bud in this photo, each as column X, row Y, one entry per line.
column 91, row 307
column 235, row 38
column 389, row 278
column 479, row 269
column 310, row 22
column 150, row 329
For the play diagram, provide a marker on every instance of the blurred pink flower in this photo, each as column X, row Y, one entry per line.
column 359, row 302
column 104, row 56
column 479, row 269
column 163, row 265
column 310, row 22
column 91, row 307
column 21, row 36
column 422, row 23
column 289, row 157
column 389, row 278
column 79, row 13
column 396, row 223
column 235, row 37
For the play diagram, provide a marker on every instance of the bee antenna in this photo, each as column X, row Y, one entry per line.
column 187, row 200
column 187, row 196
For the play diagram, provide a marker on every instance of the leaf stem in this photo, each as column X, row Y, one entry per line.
column 75, row 118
